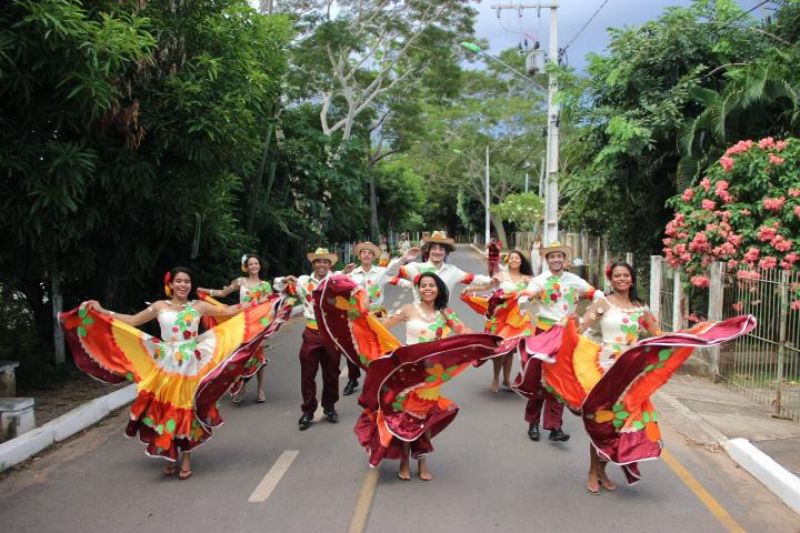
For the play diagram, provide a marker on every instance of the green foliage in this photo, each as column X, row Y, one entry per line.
column 524, row 210
column 631, row 119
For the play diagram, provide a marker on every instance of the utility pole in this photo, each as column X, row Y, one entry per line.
column 486, row 199
column 551, row 193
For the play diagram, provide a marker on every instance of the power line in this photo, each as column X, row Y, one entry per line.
column 586, row 24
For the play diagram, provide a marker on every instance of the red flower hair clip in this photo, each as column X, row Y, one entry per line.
column 417, row 278
column 167, row 280
column 608, row 272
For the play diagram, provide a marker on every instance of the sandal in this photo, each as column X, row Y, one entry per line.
column 170, row 470
column 185, row 474
column 593, row 490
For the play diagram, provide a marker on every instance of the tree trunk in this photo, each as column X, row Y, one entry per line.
column 497, row 224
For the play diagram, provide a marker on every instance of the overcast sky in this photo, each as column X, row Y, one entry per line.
column 505, row 32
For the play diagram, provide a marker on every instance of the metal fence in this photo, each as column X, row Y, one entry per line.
column 765, row 364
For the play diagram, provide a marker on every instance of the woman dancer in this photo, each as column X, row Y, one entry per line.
column 425, row 321
column 251, row 288
column 502, row 311
column 179, row 376
column 620, row 319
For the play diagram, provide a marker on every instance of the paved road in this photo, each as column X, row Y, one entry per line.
column 488, row 475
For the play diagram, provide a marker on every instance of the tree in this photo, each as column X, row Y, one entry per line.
column 129, row 133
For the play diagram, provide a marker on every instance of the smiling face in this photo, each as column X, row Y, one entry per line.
column 428, row 291
column 437, row 254
column 621, row 279
column 514, row 261
column 555, row 262
column 321, row 267
column 366, row 257
column 181, row 286
column 253, row 266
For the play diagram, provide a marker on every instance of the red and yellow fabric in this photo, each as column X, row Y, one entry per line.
column 402, row 397
column 615, row 406
column 178, row 383
column 502, row 313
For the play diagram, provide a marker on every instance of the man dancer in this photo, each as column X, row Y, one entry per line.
column 313, row 353
column 558, row 292
column 373, row 279
column 438, row 247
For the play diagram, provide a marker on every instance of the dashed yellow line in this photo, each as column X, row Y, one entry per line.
column 702, row 494
column 358, row 523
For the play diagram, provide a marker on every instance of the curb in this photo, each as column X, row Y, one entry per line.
column 761, row 466
column 482, row 252
column 28, row 444
column 758, row 464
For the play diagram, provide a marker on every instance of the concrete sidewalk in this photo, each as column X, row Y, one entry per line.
column 719, row 418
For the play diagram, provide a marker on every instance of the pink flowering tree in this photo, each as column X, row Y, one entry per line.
column 745, row 211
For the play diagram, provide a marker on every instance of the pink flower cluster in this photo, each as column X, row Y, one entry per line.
column 726, row 163
column 708, row 205
column 774, row 204
column 701, row 281
column 794, row 193
column 781, row 243
column 687, row 195
column 752, row 255
column 768, row 263
column 752, row 275
column 795, row 305
column 721, row 188
column 742, row 146
column 766, row 234
column 775, row 160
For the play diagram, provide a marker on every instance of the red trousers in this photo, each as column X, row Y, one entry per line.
column 553, row 412
column 494, row 266
column 314, row 355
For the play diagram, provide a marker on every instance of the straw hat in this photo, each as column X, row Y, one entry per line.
column 322, row 253
column 366, row 245
column 440, row 237
column 556, row 246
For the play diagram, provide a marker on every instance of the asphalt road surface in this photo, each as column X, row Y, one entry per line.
column 259, row 473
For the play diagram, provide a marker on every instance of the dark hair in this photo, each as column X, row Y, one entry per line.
column 182, row 269
column 448, row 248
column 524, row 265
column 248, row 257
column 443, row 294
column 633, row 294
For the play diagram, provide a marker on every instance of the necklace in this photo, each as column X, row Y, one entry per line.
column 426, row 316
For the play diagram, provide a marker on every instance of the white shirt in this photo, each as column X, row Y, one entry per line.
column 374, row 280
column 304, row 289
column 450, row 274
column 558, row 295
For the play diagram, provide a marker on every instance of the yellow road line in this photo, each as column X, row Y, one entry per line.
column 358, row 523
column 271, row 479
column 702, row 494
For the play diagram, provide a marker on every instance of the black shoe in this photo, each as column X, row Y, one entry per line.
column 558, row 435
column 533, row 432
column 332, row 415
column 351, row 387
column 305, row 421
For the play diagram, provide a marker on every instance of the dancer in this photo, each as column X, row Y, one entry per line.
column 502, row 310
column 621, row 319
column 437, row 248
column 313, row 353
column 493, row 255
column 610, row 384
column 558, row 292
column 180, row 376
column 251, row 288
column 403, row 405
column 373, row 279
